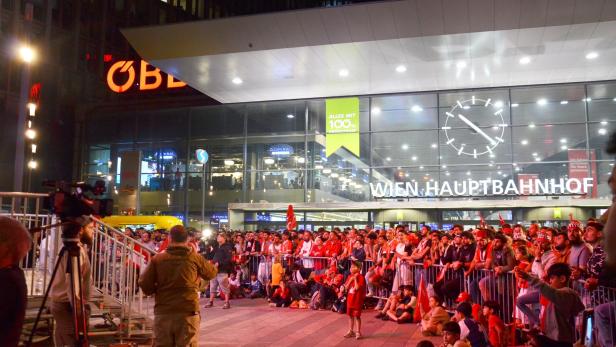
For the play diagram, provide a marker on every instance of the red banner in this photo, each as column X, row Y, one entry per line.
column 581, row 167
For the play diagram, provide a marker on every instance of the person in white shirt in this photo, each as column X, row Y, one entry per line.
column 304, row 250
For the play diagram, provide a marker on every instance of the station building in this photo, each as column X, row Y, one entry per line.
column 415, row 112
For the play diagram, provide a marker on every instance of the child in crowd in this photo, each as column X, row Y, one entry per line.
column 451, row 336
column 403, row 311
column 255, row 289
column 469, row 328
column 433, row 321
column 559, row 305
column 355, row 286
column 281, row 296
column 496, row 327
column 235, row 291
column 277, row 273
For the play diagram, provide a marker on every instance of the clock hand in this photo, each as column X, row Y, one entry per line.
column 476, row 128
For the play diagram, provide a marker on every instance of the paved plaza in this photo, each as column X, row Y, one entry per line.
column 253, row 323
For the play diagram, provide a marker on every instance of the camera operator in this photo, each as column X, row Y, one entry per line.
column 173, row 277
column 61, row 298
column 14, row 245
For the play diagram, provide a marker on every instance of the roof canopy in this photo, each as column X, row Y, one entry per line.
column 385, row 47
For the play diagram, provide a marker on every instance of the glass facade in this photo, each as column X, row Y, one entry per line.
column 275, row 151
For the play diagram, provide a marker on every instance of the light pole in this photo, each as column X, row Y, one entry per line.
column 27, row 55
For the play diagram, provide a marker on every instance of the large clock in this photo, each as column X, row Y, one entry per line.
column 484, row 119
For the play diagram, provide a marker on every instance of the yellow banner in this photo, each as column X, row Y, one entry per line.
column 342, row 125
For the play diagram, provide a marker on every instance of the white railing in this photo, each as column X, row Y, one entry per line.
column 38, row 263
column 117, row 262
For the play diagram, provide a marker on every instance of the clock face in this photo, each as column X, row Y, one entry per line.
column 482, row 125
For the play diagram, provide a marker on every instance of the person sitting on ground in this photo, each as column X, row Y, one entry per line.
column 299, row 282
column 390, row 304
column 255, row 289
column 235, row 291
column 496, row 327
column 561, row 304
column 432, row 322
column 451, row 336
column 403, row 311
column 469, row 328
column 277, row 273
column 281, row 296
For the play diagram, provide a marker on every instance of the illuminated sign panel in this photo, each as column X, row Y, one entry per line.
column 150, row 78
column 483, row 188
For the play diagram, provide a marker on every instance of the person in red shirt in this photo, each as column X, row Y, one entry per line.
column 318, row 250
column 287, row 245
column 496, row 327
column 281, row 296
column 355, row 287
column 334, row 248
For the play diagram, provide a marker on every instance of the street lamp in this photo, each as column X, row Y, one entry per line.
column 26, row 53
column 32, row 164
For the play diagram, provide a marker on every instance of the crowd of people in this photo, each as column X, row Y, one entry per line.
column 527, row 278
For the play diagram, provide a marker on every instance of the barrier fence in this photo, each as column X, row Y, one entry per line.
column 447, row 282
column 117, row 262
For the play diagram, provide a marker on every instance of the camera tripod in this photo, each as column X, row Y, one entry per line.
column 72, row 251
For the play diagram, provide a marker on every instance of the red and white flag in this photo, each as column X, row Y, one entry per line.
column 423, row 302
column 291, row 221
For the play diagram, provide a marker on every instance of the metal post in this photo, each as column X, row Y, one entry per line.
column 18, row 174
column 203, row 198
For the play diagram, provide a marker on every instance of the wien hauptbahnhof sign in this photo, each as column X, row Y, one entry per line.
column 486, row 187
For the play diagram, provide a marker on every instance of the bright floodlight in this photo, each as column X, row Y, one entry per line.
column 32, row 164
column 32, row 109
column 26, row 54
column 31, row 134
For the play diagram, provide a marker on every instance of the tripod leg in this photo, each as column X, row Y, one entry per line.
column 82, row 305
column 79, row 318
column 38, row 315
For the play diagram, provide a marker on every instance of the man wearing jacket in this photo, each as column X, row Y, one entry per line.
column 173, row 277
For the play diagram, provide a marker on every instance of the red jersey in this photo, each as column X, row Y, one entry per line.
column 334, row 249
column 287, row 247
column 284, row 294
column 494, row 321
column 355, row 296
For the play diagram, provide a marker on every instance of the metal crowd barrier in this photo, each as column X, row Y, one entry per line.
column 600, row 304
column 28, row 209
column 117, row 262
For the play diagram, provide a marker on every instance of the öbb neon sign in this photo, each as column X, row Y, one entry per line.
column 149, row 78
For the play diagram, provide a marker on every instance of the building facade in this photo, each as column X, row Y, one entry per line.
column 528, row 153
